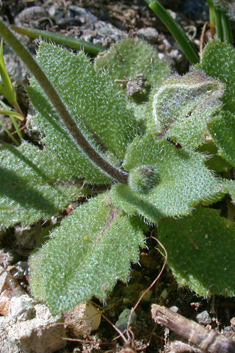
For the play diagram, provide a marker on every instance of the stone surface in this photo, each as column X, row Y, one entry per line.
column 82, row 320
column 150, row 34
column 204, row 318
column 9, row 288
column 30, row 328
column 21, row 308
column 30, row 14
column 232, row 321
column 5, row 259
column 7, row 346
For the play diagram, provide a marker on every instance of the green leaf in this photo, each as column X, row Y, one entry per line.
column 130, row 57
column 95, row 107
column 124, row 61
column 86, row 255
column 229, row 186
column 218, row 61
column 201, row 251
column 65, row 148
column 214, row 161
column 222, row 129
column 30, row 184
column 182, row 107
column 132, row 202
column 183, row 180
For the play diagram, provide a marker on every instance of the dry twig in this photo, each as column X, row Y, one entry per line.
column 207, row 341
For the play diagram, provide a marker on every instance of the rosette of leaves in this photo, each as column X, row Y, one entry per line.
column 167, row 178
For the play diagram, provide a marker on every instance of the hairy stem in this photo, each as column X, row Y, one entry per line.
column 64, row 114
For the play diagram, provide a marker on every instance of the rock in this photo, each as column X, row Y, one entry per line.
column 21, row 308
column 167, row 45
column 82, row 320
column 174, row 308
column 16, row 70
column 107, row 32
column 5, row 298
column 40, row 334
column 67, row 22
column 5, row 258
column 9, row 288
column 204, row 318
column 7, row 346
column 232, row 322
column 150, row 34
column 78, row 10
column 30, row 14
column 53, row 9
column 88, row 35
column 83, row 14
column 228, row 332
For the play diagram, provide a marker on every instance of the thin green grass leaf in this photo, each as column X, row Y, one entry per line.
column 73, row 43
column 176, row 31
column 9, row 133
column 6, row 88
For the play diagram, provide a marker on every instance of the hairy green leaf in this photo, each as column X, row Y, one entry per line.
column 132, row 202
column 222, row 129
column 213, row 160
column 218, row 61
column 182, row 107
column 201, row 251
column 99, row 111
column 33, row 183
column 86, row 255
column 125, row 63
column 130, row 57
column 183, row 180
column 229, row 186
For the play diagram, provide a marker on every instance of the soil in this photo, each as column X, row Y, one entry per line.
column 127, row 17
